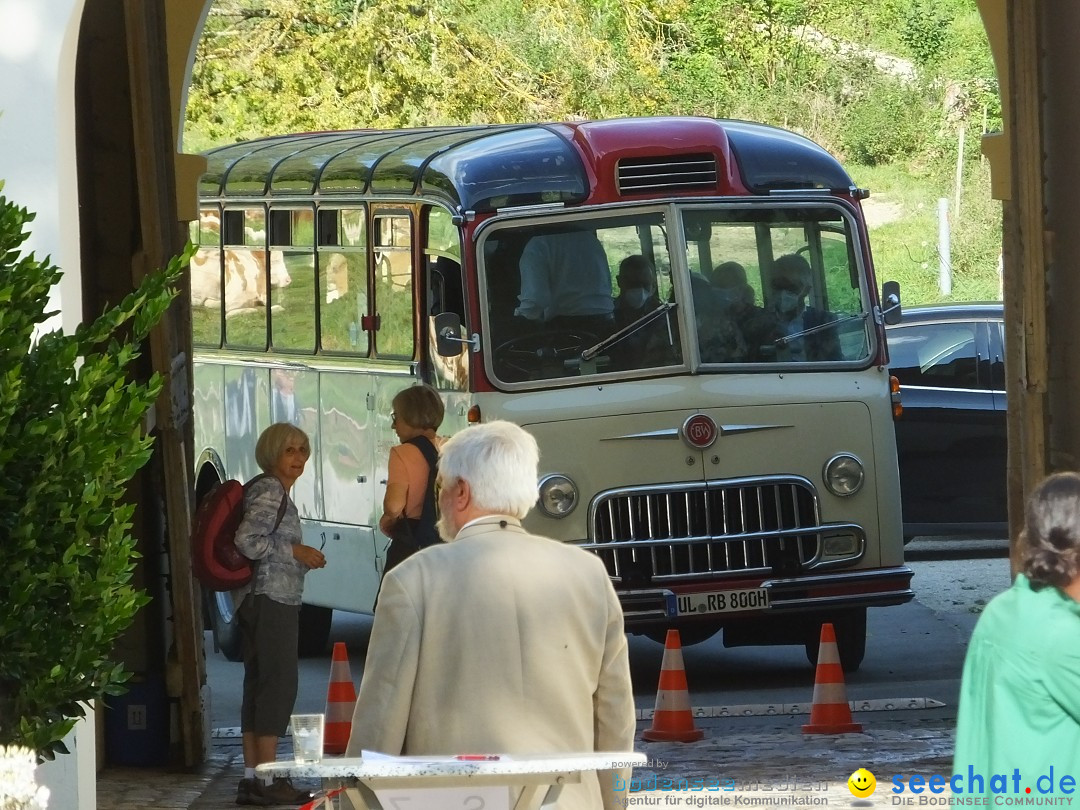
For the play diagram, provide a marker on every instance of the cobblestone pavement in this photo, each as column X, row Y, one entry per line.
column 762, row 758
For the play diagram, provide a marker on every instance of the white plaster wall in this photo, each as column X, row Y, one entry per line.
column 37, row 165
column 37, row 133
column 72, row 779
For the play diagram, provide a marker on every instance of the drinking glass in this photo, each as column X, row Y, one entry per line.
column 307, row 737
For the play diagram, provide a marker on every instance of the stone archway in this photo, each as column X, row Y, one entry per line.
column 135, row 190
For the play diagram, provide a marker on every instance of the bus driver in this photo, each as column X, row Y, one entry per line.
column 566, row 282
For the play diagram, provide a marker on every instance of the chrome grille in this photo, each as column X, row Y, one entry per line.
column 667, row 173
column 653, row 534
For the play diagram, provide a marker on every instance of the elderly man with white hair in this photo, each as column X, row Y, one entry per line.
column 498, row 641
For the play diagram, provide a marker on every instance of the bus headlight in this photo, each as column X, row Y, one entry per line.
column 844, row 474
column 558, row 495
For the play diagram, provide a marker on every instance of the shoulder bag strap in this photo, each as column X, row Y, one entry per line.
column 284, row 500
column 431, row 456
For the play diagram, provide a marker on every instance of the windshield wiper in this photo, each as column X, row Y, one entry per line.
column 635, row 326
column 781, row 342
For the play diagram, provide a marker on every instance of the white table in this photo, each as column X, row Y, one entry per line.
column 542, row 776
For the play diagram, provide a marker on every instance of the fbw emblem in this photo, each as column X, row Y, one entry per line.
column 699, row 431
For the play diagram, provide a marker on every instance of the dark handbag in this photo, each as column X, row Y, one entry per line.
column 402, row 544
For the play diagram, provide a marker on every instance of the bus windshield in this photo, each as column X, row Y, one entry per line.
column 707, row 286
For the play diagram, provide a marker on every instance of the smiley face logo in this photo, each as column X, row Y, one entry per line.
column 862, row 783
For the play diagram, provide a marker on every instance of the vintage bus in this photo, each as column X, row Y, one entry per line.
column 682, row 311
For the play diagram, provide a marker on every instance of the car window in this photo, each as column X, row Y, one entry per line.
column 937, row 355
column 997, row 353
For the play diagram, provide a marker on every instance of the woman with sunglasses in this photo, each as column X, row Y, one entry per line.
column 409, row 517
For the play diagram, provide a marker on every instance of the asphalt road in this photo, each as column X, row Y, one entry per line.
column 913, row 651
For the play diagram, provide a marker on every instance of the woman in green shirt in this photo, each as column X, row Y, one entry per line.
column 1018, row 726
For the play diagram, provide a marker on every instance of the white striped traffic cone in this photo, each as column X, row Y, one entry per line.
column 830, row 713
column 672, row 719
column 340, row 702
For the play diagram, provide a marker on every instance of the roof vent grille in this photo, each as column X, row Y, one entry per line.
column 666, row 173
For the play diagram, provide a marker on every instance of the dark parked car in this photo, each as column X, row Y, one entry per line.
column 951, row 438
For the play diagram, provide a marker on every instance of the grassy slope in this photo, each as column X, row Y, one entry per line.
column 905, row 248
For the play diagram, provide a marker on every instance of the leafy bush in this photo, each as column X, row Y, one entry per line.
column 888, row 122
column 926, row 30
column 71, row 437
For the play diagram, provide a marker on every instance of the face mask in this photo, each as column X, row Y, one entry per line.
column 728, row 297
column 787, row 302
column 635, row 297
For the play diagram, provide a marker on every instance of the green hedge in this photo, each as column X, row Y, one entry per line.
column 71, row 438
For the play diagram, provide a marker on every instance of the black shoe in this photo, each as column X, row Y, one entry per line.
column 281, row 791
column 251, row 791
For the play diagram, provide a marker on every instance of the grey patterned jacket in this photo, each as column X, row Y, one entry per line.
column 277, row 573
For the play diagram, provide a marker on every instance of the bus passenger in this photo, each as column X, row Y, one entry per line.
column 270, row 613
column 408, row 517
column 566, row 282
column 637, row 290
column 719, row 336
column 796, row 332
column 731, row 288
column 648, row 345
column 734, row 299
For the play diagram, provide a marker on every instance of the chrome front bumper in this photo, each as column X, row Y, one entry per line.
column 873, row 588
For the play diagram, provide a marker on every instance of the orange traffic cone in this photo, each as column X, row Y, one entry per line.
column 830, row 713
column 340, row 701
column 672, row 719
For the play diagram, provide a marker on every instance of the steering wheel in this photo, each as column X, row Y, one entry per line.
column 524, row 357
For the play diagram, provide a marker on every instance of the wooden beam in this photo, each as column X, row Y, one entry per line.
column 1027, row 361
column 162, row 237
column 1061, row 117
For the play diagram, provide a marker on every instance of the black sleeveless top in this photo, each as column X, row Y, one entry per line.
column 423, row 528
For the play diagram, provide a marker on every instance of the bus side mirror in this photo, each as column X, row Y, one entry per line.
column 448, row 337
column 891, row 310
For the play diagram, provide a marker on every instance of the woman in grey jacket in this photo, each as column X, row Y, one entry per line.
column 270, row 612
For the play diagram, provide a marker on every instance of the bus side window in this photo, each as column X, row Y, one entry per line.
column 206, row 289
column 392, row 248
column 444, row 287
column 445, row 295
column 292, row 279
column 343, row 300
column 442, row 254
column 247, row 282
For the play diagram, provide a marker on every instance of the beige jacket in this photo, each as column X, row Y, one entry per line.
column 499, row 642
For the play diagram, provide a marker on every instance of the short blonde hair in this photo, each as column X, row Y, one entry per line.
column 419, row 406
column 273, row 441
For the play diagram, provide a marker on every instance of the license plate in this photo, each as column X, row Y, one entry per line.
column 696, row 604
